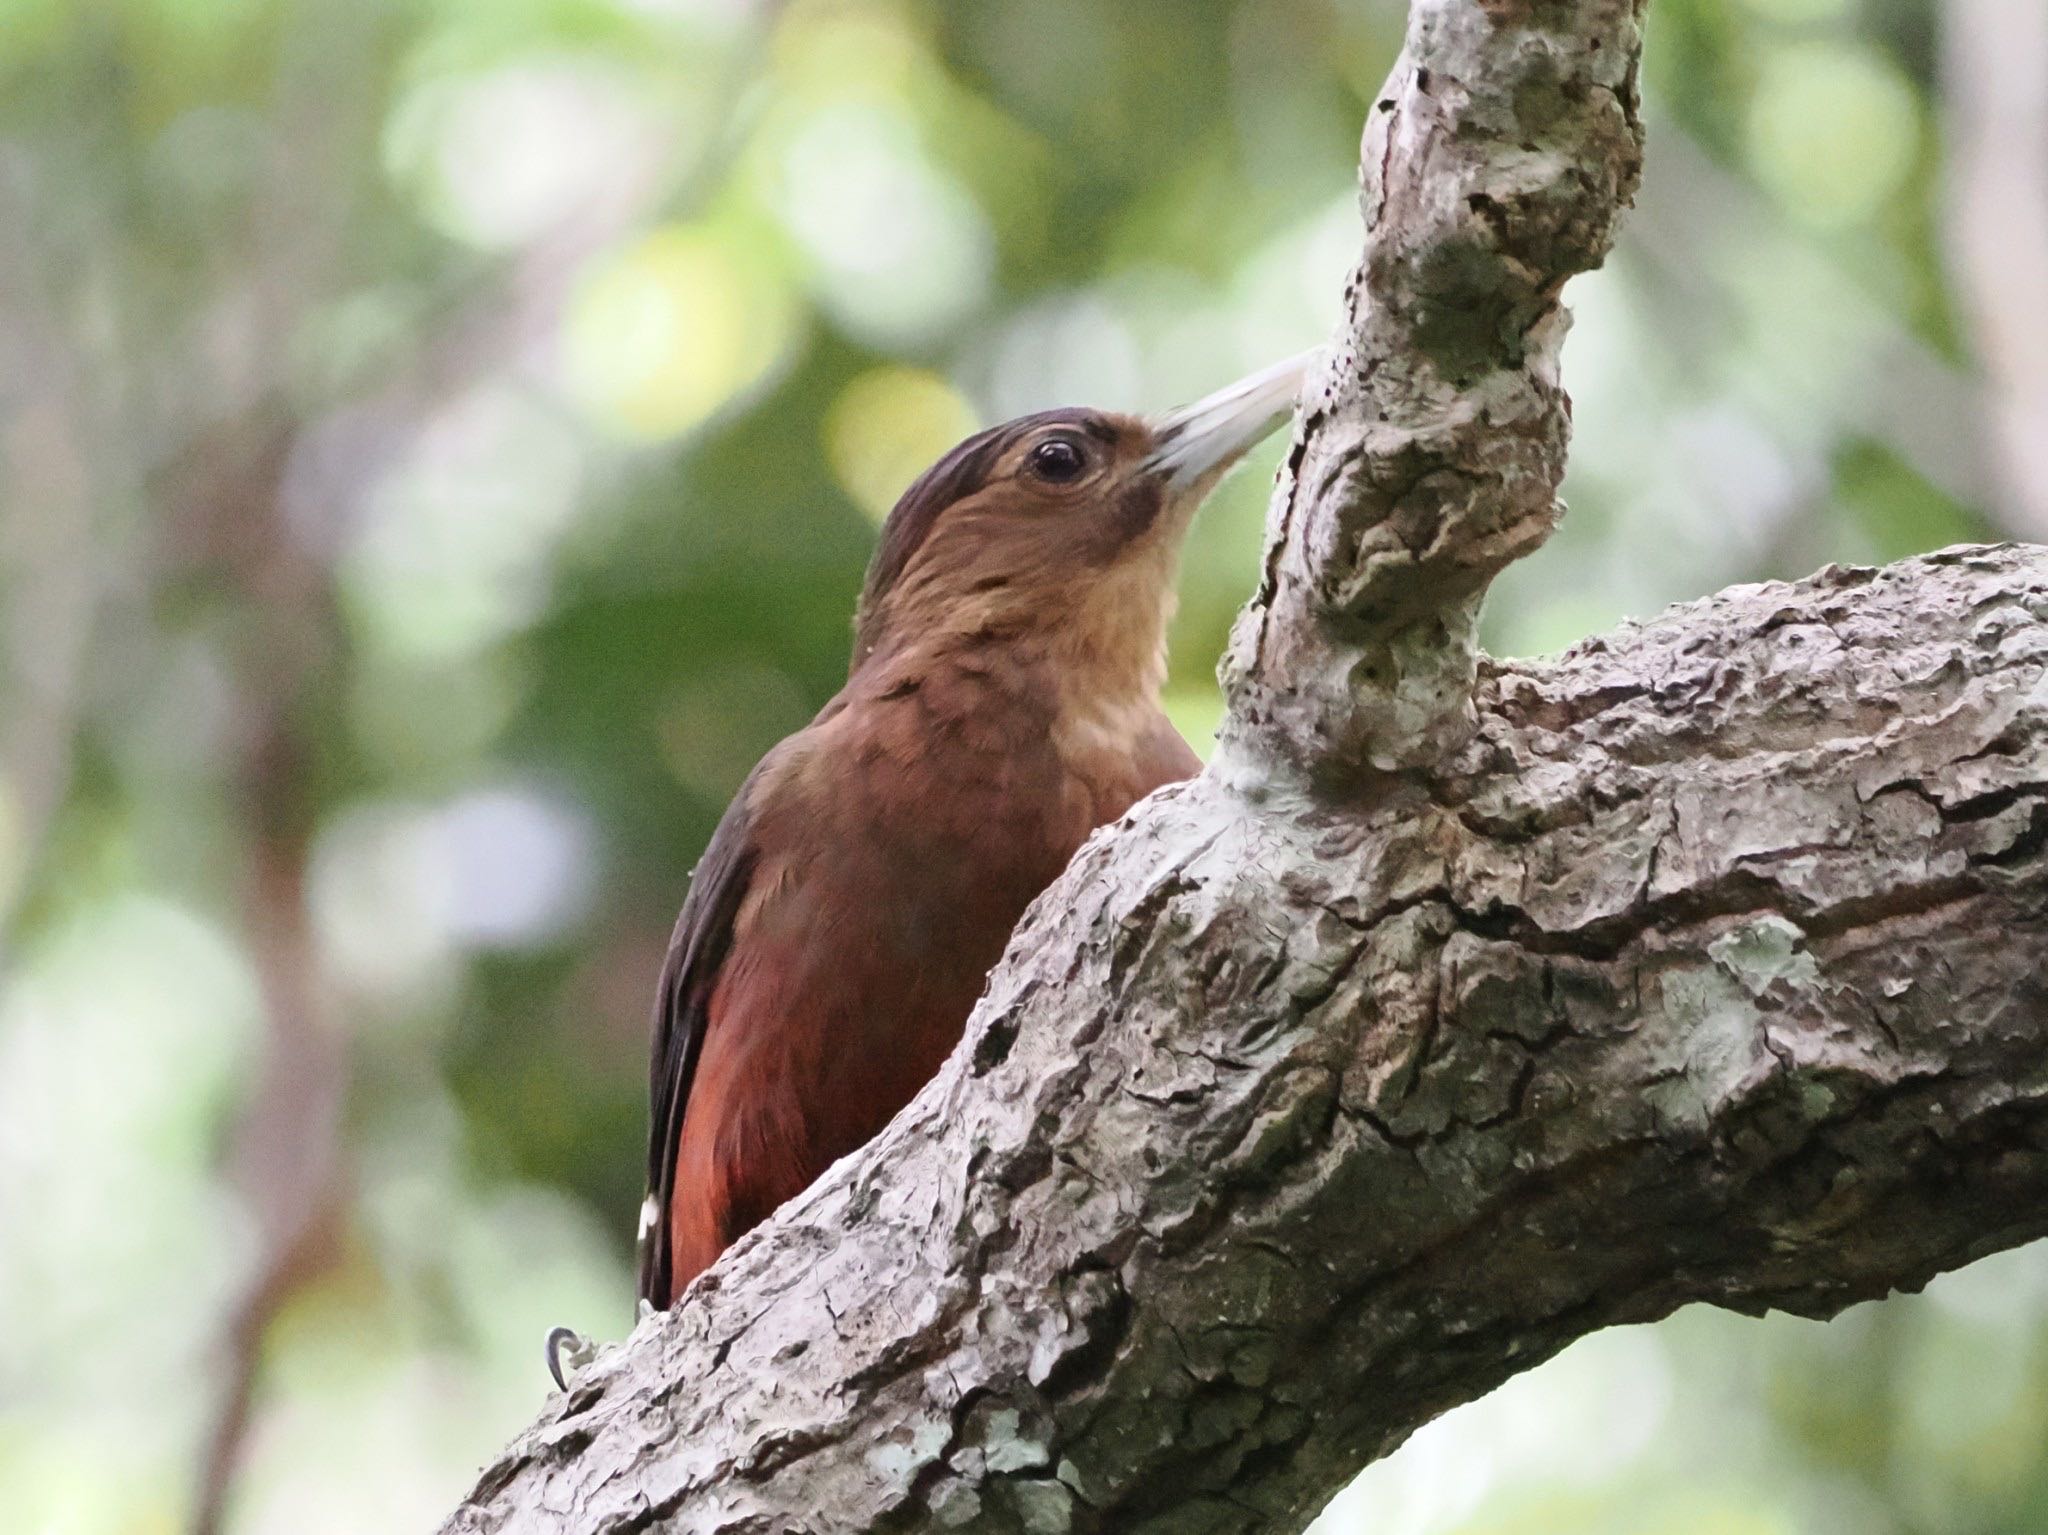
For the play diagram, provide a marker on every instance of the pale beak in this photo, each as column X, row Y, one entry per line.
column 1198, row 442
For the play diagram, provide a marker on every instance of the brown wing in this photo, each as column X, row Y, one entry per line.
column 699, row 946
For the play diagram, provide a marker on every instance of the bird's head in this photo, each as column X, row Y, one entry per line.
column 1062, row 527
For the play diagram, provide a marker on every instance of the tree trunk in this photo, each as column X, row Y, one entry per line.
column 1460, row 1009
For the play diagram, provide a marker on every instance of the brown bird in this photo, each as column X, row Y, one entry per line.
column 1002, row 703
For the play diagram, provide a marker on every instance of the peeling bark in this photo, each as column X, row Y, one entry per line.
column 1466, row 1007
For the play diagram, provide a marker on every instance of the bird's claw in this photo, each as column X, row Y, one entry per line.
column 568, row 1351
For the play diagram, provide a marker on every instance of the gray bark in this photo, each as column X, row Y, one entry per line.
column 1463, row 1008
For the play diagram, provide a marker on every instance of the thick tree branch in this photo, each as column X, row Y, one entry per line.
column 1467, row 1008
column 1495, row 165
column 1709, row 970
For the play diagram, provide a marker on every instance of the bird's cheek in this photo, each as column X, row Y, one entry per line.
column 1138, row 507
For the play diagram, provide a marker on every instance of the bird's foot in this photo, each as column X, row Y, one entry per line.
column 568, row 1352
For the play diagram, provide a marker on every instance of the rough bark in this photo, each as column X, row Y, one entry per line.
column 1464, row 1008
column 1709, row 969
column 1496, row 162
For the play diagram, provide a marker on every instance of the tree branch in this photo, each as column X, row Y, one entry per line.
column 1465, row 1008
column 1496, row 163
column 1708, row 970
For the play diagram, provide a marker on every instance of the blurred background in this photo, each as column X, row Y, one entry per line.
column 439, row 445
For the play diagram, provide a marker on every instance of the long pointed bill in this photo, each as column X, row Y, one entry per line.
column 1200, row 441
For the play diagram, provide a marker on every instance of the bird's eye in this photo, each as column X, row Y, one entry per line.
column 1058, row 459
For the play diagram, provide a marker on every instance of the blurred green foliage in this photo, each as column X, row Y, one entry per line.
column 439, row 445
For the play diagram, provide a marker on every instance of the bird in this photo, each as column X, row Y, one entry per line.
column 1001, row 703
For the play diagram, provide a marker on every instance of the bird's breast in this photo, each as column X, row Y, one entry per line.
column 896, row 844
column 1100, row 745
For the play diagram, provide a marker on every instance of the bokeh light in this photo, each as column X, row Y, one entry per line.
column 896, row 249
column 454, row 550
column 680, row 324
column 1833, row 130
column 887, row 426
column 510, row 154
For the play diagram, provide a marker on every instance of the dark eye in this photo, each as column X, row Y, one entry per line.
column 1058, row 458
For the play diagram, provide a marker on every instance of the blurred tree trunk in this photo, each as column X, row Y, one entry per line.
column 1995, row 54
column 1460, row 1009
